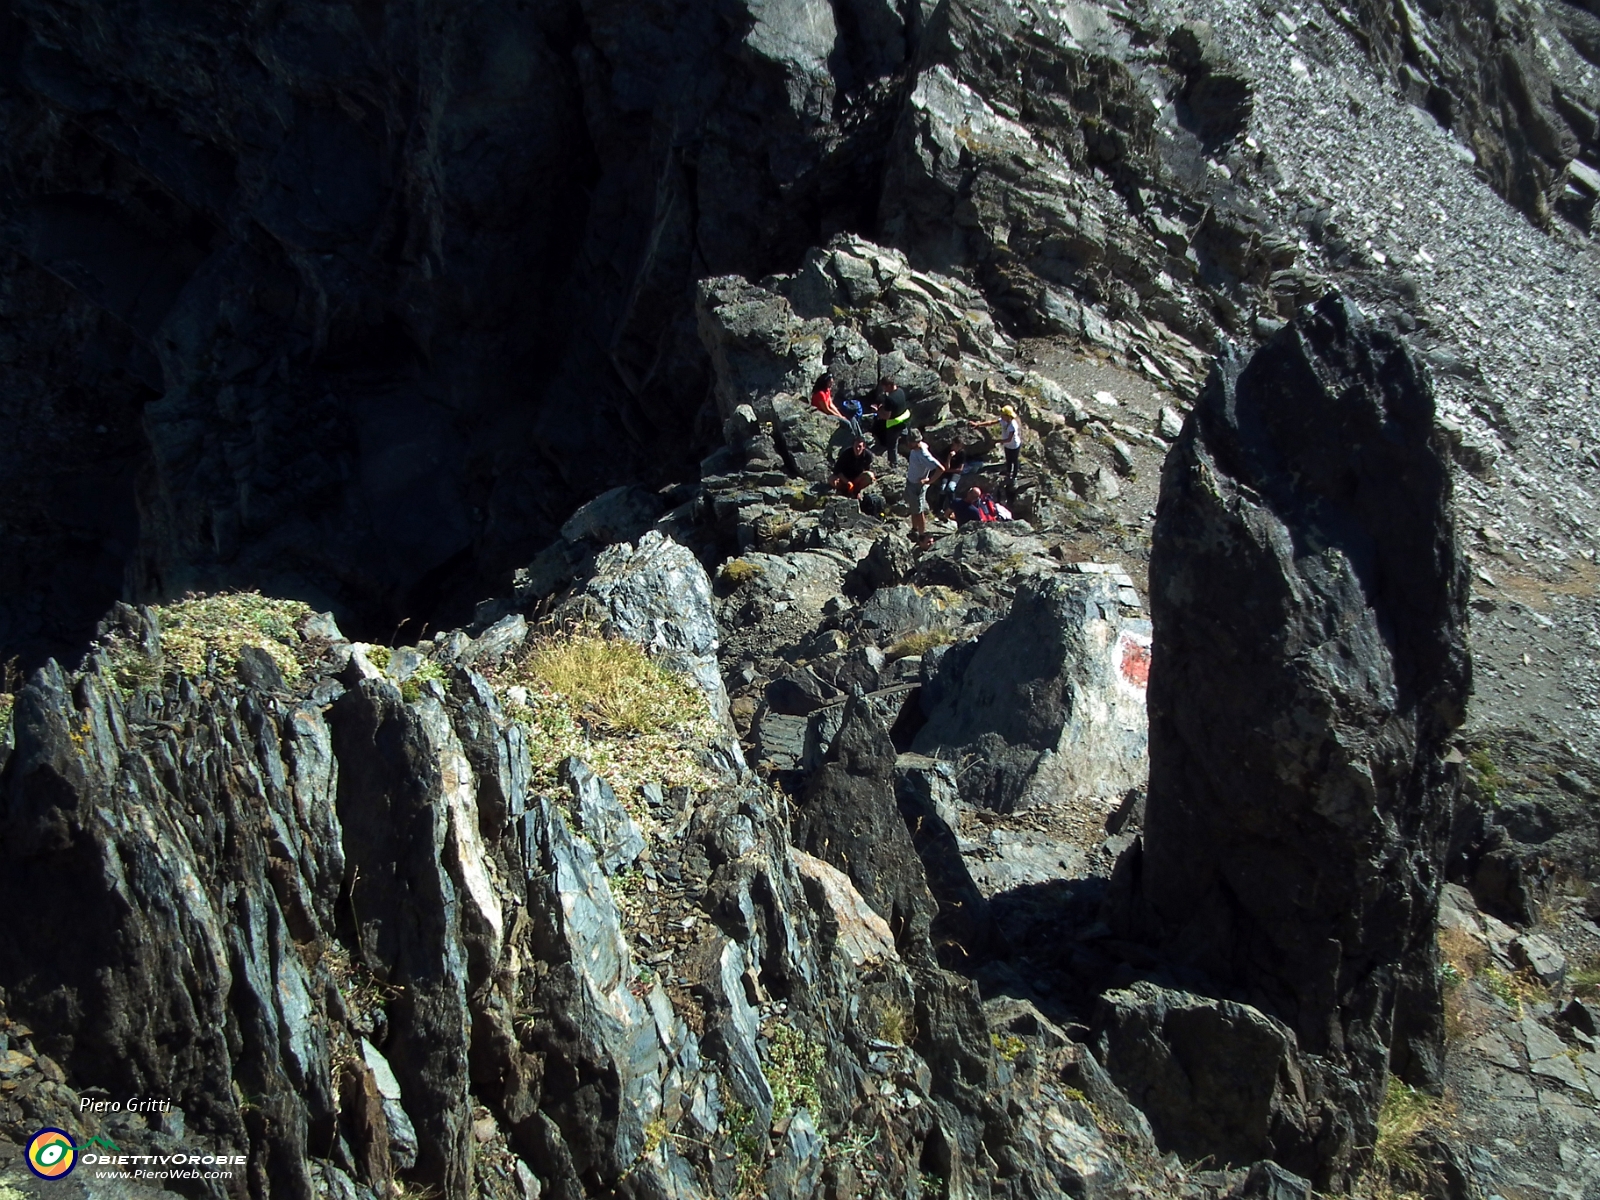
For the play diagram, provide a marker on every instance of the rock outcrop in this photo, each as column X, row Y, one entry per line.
column 352, row 921
column 1308, row 600
column 849, row 817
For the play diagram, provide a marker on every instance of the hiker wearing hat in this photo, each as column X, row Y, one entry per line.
column 1010, row 438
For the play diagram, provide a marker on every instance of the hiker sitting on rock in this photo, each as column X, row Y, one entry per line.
column 948, row 491
column 822, row 396
column 922, row 469
column 976, row 506
column 1010, row 438
column 851, row 473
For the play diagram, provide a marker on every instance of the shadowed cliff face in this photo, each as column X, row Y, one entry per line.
column 369, row 296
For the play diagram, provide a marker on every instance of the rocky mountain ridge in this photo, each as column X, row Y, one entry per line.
column 447, row 973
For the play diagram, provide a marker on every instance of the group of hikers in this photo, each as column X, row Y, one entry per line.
column 888, row 404
column 935, row 483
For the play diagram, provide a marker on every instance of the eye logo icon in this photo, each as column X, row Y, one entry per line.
column 51, row 1154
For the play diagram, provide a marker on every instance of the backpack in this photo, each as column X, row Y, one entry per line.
column 873, row 504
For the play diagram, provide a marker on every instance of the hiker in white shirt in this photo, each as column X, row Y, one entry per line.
column 1010, row 438
column 922, row 469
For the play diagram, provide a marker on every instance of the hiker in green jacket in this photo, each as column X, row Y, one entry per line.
column 894, row 414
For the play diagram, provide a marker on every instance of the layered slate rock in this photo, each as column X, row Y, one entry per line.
column 1309, row 664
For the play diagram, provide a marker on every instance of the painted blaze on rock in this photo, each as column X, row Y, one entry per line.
column 1310, row 663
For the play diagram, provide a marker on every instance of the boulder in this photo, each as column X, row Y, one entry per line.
column 997, row 554
column 894, row 612
column 810, row 440
column 1582, row 1015
column 925, row 790
column 1309, row 667
column 500, row 639
column 759, row 348
column 799, row 693
column 620, row 515
column 1215, row 1078
column 1266, row 1180
column 888, row 562
column 1048, row 705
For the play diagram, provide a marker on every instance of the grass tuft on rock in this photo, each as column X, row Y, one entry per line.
column 612, row 682
column 914, row 645
column 428, row 670
column 737, row 572
column 198, row 626
column 195, row 627
column 1463, row 954
column 605, row 700
column 1008, row 1046
column 794, row 1066
column 1406, row 1112
column 897, row 1022
column 1487, row 774
column 748, row 1148
column 1513, row 988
